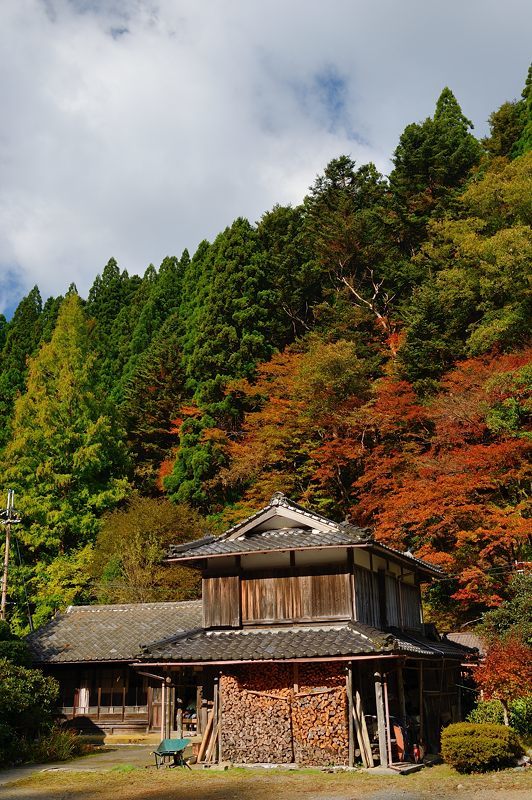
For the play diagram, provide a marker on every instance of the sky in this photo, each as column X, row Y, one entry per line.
column 136, row 128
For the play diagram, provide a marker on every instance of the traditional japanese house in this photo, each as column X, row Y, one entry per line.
column 312, row 647
column 89, row 649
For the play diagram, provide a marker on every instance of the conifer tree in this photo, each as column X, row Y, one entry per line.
column 524, row 143
column 22, row 336
column 65, row 461
column 431, row 159
column 237, row 316
column 151, row 400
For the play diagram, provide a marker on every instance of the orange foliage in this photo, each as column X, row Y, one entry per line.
column 506, row 672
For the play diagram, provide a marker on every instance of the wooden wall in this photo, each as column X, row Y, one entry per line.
column 221, row 602
column 376, row 598
column 367, row 607
column 296, row 597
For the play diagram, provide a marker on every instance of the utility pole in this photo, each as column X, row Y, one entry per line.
column 8, row 518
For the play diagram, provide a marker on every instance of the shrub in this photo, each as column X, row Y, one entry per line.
column 519, row 713
column 471, row 747
column 57, row 745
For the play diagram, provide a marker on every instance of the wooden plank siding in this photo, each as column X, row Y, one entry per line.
column 375, row 598
column 411, row 605
column 221, row 602
column 393, row 602
column 367, row 608
column 296, row 597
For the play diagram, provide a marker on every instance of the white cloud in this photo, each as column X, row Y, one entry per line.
column 136, row 128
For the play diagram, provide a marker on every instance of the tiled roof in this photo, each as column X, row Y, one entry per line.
column 111, row 632
column 320, row 532
column 421, row 645
column 468, row 639
column 260, row 644
column 277, row 539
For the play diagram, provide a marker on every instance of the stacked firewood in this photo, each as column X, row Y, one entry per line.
column 256, row 714
column 319, row 716
column 273, row 716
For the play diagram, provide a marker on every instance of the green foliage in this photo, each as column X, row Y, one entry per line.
column 129, row 551
column 329, row 375
column 66, row 461
column 524, row 143
column 11, row 647
column 27, row 701
column 477, row 293
column 251, row 367
column 57, row 744
column 513, row 618
column 152, row 396
column 470, row 747
column 492, row 711
column 432, row 159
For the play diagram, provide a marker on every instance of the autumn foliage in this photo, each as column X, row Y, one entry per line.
column 506, row 672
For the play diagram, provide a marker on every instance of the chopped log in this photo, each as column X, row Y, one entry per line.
column 265, row 720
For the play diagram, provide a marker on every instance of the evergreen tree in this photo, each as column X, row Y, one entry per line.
column 348, row 224
column 237, row 317
column 65, row 461
column 22, row 337
column 109, row 299
column 296, row 275
column 151, row 401
column 432, row 158
column 524, row 143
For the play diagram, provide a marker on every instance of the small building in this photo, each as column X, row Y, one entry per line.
column 89, row 650
column 309, row 647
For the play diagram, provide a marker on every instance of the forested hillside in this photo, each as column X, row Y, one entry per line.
column 365, row 352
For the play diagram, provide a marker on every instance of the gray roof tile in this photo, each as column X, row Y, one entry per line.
column 277, row 539
column 110, row 632
column 259, row 644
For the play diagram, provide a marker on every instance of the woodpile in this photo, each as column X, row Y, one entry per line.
column 256, row 715
column 319, row 716
column 277, row 714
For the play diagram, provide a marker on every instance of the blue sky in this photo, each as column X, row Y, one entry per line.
column 135, row 128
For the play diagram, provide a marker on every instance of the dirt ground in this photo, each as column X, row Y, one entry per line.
column 139, row 783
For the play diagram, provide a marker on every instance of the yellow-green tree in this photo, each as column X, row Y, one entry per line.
column 67, row 464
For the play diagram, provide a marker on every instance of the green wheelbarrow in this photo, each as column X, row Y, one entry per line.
column 171, row 750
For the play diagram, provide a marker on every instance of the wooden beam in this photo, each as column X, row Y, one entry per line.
column 361, row 730
column 387, row 720
column 350, row 720
column 220, row 708
column 206, row 735
column 401, row 691
column 381, row 720
column 421, row 720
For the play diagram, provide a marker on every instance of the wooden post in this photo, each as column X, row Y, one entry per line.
column 99, row 701
column 3, row 602
column 163, row 709
column 123, row 703
column 220, row 709
column 381, row 720
column 401, row 692
column 350, row 720
column 168, row 725
column 199, row 709
column 387, row 720
column 215, row 730
column 421, row 720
